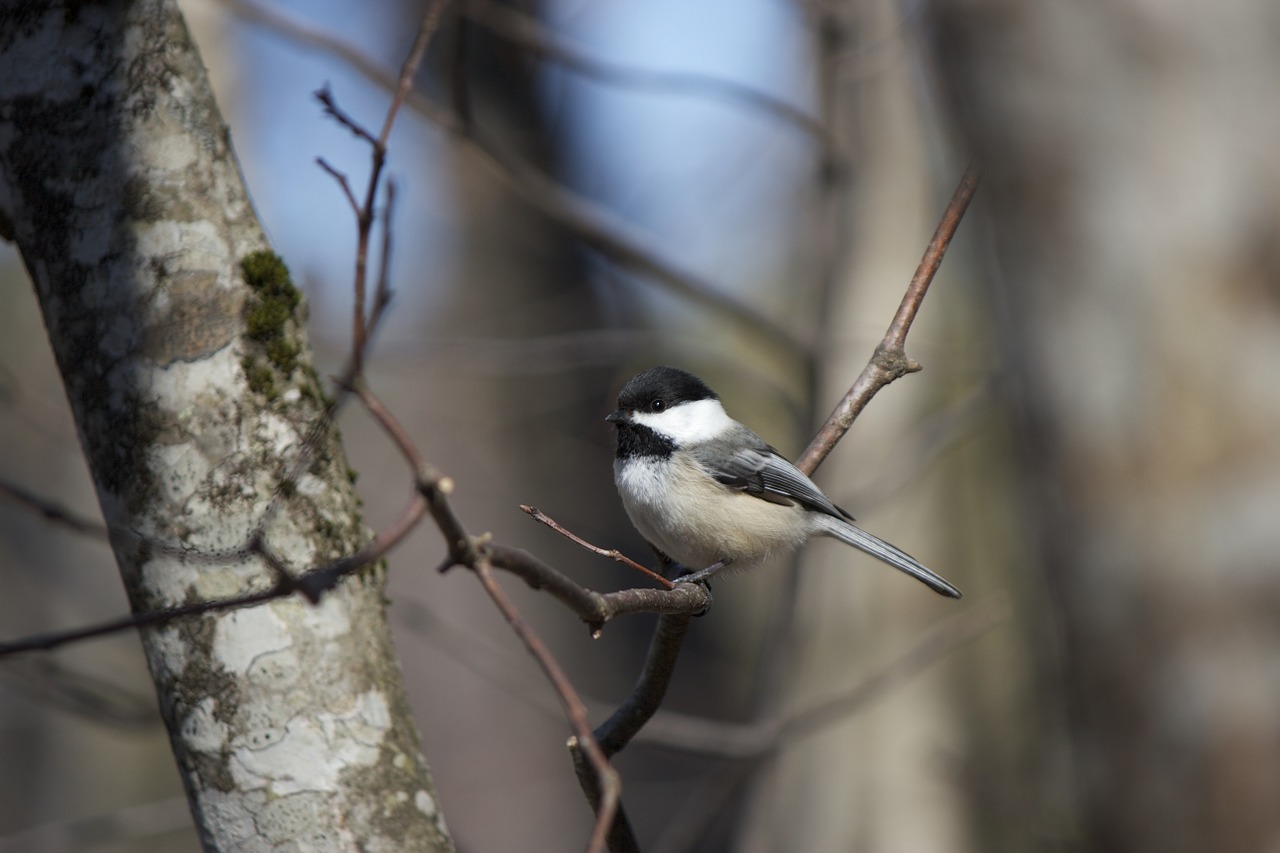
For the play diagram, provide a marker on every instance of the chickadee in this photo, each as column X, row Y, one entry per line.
column 708, row 492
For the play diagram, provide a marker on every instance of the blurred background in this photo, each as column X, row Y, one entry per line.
column 744, row 189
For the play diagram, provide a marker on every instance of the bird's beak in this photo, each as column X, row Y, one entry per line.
column 618, row 417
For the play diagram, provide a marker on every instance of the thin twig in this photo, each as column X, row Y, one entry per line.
column 53, row 512
column 896, row 337
column 598, row 608
column 890, row 361
column 614, row 554
column 382, row 291
column 365, row 211
column 631, row 716
column 316, row 582
column 426, row 29
column 150, row 619
column 325, row 96
column 342, row 182
column 313, row 584
column 390, row 425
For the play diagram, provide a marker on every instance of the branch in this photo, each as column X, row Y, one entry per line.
column 53, row 512
column 477, row 554
column 313, row 584
column 631, row 716
column 365, row 211
column 612, row 553
column 890, row 361
column 610, row 782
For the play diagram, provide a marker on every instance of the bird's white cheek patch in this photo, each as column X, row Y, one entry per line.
column 688, row 423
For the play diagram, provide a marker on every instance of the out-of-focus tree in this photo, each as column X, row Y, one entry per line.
column 1134, row 200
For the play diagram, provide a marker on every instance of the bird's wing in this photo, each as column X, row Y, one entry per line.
column 763, row 472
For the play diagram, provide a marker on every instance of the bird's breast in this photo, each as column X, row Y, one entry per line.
column 678, row 507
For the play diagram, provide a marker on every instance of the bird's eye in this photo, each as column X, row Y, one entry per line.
column 657, row 405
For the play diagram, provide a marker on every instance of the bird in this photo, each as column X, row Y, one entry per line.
column 708, row 493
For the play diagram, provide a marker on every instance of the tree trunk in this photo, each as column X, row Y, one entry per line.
column 181, row 346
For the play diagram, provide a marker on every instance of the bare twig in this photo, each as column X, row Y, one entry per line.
column 896, row 337
column 613, row 554
column 890, row 361
column 597, row 608
column 312, row 584
column 404, row 84
column 365, row 211
column 54, row 639
column 53, row 512
column 316, row 582
column 343, row 183
column 391, row 426
column 325, row 96
column 631, row 716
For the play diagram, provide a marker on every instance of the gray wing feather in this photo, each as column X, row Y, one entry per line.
column 757, row 469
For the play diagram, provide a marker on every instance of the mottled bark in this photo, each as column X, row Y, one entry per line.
column 190, row 379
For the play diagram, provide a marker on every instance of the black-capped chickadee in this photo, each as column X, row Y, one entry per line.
column 708, row 492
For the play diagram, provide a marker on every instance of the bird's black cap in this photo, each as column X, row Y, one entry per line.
column 663, row 386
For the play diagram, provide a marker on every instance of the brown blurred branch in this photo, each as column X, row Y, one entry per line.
column 720, row 739
column 53, row 512
column 529, row 33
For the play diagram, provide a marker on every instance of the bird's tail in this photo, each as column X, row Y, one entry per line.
column 882, row 550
